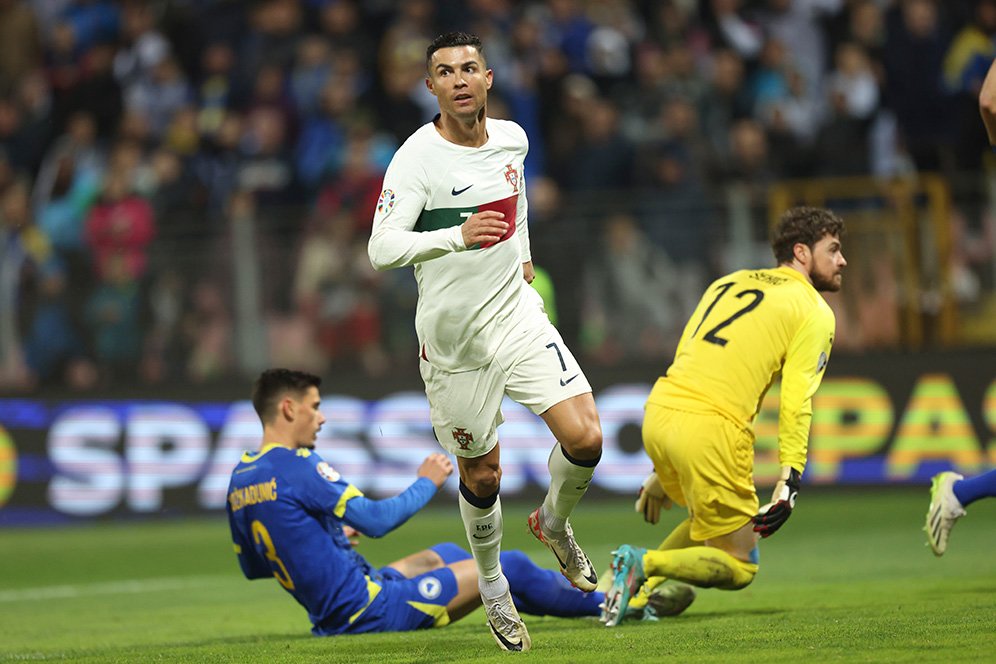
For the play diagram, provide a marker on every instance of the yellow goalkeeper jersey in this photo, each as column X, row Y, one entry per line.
column 750, row 326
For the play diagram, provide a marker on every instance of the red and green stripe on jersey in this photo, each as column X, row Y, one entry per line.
column 432, row 220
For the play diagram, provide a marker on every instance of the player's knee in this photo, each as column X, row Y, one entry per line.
column 585, row 441
column 743, row 575
column 483, row 481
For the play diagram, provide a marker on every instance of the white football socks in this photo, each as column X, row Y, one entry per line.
column 568, row 483
column 484, row 529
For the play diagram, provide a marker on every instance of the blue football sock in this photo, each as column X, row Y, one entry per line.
column 543, row 592
column 969, row 490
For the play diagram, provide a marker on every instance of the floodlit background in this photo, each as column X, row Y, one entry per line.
column 187, row 188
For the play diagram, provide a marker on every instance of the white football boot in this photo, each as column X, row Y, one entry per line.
column 944, row 510
column 507, row 628
column 574, row 564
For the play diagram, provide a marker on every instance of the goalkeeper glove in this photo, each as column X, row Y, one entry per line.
column 772, row 516
column 651, row 499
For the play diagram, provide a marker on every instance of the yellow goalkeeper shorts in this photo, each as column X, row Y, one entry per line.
column 706, row 463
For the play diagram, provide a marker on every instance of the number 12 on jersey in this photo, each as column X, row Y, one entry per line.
column 712, row 335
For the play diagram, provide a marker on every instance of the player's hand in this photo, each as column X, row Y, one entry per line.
column 437, row 467
column 485, row 227
column 771, row 516
column 528, row 272
column 352, row 534
column 652, row 499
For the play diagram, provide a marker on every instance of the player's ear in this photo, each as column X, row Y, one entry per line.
column 287, row 408
column 428, row 85
column 489, row 77
column 802, row 252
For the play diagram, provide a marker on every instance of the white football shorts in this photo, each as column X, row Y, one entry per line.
column 533, row 366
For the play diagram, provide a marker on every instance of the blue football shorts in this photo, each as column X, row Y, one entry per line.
column 407, row 604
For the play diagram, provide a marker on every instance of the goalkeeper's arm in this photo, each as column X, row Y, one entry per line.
column 651, row 499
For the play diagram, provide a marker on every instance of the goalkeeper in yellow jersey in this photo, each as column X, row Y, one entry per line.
column 749, row 327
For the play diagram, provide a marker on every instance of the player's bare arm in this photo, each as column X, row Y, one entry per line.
column 484, row 227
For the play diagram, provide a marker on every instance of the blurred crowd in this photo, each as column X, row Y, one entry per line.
column 187, row 186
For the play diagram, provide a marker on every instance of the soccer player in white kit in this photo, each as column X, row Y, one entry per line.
column 454, row 206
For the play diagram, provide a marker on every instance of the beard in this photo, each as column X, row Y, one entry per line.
column 824, row 283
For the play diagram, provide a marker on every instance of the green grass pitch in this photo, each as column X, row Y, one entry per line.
column 847, row 579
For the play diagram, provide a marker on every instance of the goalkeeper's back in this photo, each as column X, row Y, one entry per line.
column 747, row 327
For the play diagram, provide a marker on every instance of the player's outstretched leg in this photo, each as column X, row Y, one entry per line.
column 627, row 563
column 944, row 510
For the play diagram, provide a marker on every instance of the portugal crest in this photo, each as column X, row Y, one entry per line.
column 463, row 438
column 512, row 176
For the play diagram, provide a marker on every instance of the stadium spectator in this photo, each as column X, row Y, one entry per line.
column 217, row 164
column 113, row 312
column 35, row 277
column 914, row 55
column 292, row 516
column 726, row 24
column 482, row 330
column 630, row 292
column 214, row 88
column 206, row 332
column 37, row 126
column 122, row 225
column 142, row 47
column 20, row 43
column 602, row 158
column 331, row 291
column 191, row 73
column 674, row 210
column 853, row 96
column 965, row 65
column 312, row 68
column 749, row 326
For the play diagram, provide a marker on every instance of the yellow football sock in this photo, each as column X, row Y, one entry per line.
column 703, row 566
column 680, row 537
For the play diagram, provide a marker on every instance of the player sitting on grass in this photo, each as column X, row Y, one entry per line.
column 287, row 509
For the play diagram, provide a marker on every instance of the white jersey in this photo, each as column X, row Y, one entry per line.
column 469, row 299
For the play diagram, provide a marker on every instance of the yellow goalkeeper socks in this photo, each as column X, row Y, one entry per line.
column 680, row 537
column 703, row 566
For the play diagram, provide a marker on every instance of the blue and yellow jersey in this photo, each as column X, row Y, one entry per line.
column 286, row 509
column 748, row 328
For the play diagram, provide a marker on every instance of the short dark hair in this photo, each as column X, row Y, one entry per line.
column 806, row 225
column 273, row 383
column 449, row 40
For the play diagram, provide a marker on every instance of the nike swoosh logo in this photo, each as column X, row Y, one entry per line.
column 456, row 192
column 509, row 644
column 476, row 537
column 556, row 555
column 563, row 383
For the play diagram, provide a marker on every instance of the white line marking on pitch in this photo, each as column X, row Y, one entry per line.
column 130, row 586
